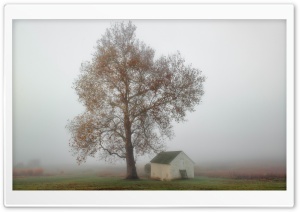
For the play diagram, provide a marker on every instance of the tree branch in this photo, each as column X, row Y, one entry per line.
column 111, row 153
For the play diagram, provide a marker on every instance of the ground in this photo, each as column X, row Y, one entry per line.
column 94, row 182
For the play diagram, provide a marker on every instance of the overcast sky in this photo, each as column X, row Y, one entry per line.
column 242, row 114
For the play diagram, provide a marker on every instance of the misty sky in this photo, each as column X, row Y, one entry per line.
column 242, row 116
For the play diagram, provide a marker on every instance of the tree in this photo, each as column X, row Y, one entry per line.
column 130, row 98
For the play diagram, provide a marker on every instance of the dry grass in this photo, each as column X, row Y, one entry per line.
column 242, row 173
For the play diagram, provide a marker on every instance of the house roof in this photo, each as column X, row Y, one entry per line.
column 165, row 157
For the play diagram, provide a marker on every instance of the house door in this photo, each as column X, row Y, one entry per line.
column 181, row 164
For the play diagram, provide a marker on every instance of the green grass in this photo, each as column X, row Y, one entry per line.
column 117, row 183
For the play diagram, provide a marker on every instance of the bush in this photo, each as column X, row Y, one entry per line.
column 28, row 172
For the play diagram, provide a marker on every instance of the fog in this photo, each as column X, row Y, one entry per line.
column 241, row 120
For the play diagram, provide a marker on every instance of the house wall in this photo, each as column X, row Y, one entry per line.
column 182, row 162
column 171, row 171
column 160, row 171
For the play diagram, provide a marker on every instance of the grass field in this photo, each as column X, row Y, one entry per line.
column 78, row 182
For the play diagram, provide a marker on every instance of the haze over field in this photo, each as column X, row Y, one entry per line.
column 241, row 120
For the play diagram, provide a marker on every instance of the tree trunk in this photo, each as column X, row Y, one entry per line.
column 131, row 169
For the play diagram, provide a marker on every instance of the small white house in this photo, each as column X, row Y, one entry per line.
column 172, row 165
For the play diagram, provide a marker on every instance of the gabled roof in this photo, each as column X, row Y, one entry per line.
column 165, row 157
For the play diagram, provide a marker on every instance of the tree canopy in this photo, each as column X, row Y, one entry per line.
column 131, row 98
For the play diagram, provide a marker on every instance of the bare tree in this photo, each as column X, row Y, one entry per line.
column 131, row 99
